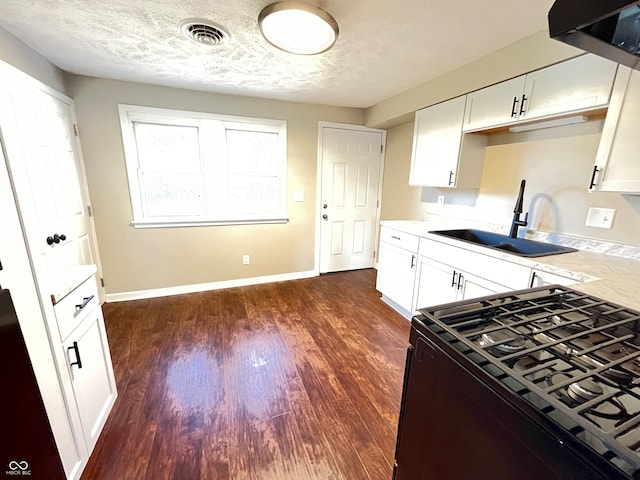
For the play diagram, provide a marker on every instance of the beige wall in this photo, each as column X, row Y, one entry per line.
column 557, row 165
column 142, row 259
column 16, row 53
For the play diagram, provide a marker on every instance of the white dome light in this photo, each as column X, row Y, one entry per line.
column 298, row 28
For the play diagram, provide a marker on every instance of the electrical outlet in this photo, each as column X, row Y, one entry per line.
column 441, row 201
column 600, row 217
column 246, row 259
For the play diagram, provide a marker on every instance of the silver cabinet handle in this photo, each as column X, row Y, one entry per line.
column 395, row 238
column 84, row 303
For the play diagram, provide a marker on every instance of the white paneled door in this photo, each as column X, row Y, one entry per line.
column 350, row 167
column 39, row 137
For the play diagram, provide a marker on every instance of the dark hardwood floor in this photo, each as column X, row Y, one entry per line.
column 286, row 381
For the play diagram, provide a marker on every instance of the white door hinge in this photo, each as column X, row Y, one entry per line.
column 75, row 129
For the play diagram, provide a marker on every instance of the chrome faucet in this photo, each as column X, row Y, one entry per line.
column 517, row 211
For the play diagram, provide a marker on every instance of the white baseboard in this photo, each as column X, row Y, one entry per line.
column 202, row 287
column 405, row 313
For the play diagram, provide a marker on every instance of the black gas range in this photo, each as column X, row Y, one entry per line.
column 537, row 383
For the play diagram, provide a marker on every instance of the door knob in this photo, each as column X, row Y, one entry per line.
column 56, row 238
column 325, row 206
column 325, row 216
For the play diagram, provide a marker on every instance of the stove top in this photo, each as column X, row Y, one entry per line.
column 573, row 357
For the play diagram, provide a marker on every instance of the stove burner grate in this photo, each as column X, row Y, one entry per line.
column 574, row 357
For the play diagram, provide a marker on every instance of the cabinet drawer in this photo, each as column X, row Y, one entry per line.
column 399, row 239
column 73, row 308
column 496, row 270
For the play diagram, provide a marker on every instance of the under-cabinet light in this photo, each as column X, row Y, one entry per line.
column 556, row 122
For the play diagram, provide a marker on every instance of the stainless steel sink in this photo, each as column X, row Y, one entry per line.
column 517, row 246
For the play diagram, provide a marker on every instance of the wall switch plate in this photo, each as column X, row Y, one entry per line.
column 245, row 259
column 600, row 217
column 441, row 201
column 298, row 197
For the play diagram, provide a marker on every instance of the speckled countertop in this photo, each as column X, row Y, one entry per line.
column 63, row 280
column 614, row 275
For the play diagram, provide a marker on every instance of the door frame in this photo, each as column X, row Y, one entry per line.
column 318, row 206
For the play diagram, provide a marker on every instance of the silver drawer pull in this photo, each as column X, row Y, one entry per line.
column 84, row 303
column 395, row 238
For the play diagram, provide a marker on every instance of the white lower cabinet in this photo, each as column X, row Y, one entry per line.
column 85, row 360
column 474, row 286
column 435, row 284
column 416, row 272
column 438, row 283
column 397, row 262
column 92, row 374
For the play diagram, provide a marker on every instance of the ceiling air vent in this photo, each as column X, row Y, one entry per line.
column 204, row 31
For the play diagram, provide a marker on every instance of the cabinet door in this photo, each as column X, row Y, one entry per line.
column 435, row 283
column 437, row 140
column 581, row 83
column 92, row 375
column 494, row 106
column 617, row 168
column 474, row 287
column 396, row 274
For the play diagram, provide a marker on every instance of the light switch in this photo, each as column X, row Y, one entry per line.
column 298, row 197
column 600, row 217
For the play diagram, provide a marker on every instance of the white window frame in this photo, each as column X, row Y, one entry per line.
column 129, row 114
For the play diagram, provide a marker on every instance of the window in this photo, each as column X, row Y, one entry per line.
column 189, row 168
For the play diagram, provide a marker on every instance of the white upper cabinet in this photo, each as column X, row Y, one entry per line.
column 495, row 105
column 580, row 84
column 442, row 155
column 617, row 168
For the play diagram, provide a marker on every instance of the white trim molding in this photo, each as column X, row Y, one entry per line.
column 203, row 287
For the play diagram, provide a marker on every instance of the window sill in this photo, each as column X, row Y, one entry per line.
column 203, row 223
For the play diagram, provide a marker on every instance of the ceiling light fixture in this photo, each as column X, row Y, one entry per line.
column 556, row 122
column 298, row 28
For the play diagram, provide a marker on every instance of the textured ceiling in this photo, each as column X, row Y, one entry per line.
column 384, row 47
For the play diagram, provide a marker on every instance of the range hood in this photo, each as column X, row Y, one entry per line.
column 609, row 28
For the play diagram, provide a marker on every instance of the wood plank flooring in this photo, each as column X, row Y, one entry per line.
column 285, row 381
